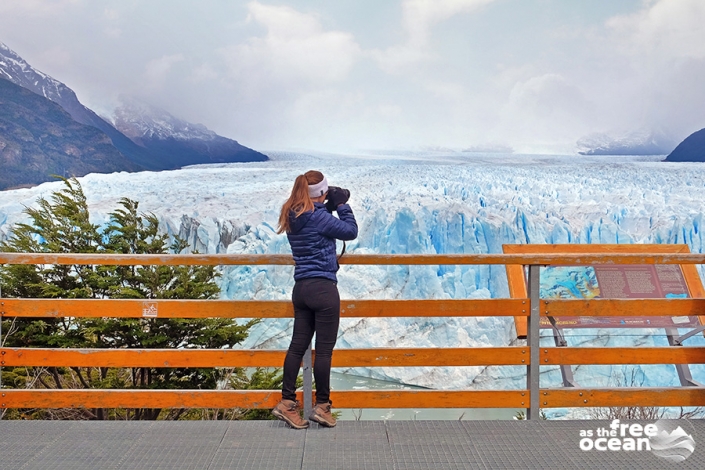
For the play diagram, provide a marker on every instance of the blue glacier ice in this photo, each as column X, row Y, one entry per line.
column 421, row 203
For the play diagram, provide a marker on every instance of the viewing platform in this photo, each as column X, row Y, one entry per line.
column 271, row 445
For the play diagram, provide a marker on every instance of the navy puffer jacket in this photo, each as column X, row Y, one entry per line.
column 312, row 238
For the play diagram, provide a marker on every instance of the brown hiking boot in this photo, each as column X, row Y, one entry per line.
column 288, row 411
column 322, row 415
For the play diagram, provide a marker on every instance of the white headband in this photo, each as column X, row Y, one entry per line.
column 318, row 189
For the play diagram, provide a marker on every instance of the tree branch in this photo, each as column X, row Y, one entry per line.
column 80, row 377
column 41, row 380
column 57, row 378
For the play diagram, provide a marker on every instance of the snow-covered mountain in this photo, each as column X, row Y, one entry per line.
column 641, row 142
column 141, row 121
column 452, row 204
column 15, row 69
column 176, row 141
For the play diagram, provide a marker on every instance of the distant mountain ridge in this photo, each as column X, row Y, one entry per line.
column 159, row 151
column 692, row 149
column 642, row 142
column 139, row 120
column 176, row 141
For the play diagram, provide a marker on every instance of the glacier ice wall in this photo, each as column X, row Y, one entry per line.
column 421, row 203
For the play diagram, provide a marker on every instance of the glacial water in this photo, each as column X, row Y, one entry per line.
column 342, row 381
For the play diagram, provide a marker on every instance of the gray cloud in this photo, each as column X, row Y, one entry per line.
column 357, row 74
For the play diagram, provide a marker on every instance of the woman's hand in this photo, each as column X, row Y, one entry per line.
column 336, row 197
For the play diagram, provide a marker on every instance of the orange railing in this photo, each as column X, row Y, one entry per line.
column 532, row 397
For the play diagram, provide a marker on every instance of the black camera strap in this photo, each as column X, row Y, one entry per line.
column 340, row 255
column 342, row 252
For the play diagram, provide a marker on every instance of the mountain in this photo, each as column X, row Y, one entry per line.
column 15, row 69
column 157, row 150
column 175, row 142
column 489, row 148
column 692, row 149
column 641, row 142
column 38, row 138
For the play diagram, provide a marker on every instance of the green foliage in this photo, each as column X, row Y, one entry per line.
column 260, row 379
column 62, row 224
column 521, row 415
column 244, row 379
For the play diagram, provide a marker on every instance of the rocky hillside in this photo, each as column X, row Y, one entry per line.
column 15, row 69
column 38, row 138
column 692, row 149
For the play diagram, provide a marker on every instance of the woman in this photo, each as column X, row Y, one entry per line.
column 312, row 231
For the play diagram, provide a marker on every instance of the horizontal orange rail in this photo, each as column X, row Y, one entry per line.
column 256, row 309
column 96, row 398
column 622, row 307
column 256, row 399
column 203, row 358
column 550, row 398
column 628, row 355
column 382, row 357
column 430, row 357
column 432, row 398
column 129, row 308
column 577, row 397
column 545, row 259
column 123, row 308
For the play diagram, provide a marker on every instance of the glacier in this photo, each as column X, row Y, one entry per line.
column 421, row 202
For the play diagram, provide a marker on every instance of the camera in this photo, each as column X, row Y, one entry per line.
column 336, row 196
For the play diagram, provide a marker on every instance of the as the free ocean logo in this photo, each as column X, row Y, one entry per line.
column 671, row 442
column 665, row 438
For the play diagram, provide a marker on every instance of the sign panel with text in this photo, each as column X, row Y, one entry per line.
column 615, row 282
column 608, row 281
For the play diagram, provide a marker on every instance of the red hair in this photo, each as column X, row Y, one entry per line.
column 299, row 201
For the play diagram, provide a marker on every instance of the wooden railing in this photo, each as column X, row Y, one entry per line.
column 532, row 397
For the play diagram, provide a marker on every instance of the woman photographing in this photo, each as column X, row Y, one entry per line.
column 312, row 231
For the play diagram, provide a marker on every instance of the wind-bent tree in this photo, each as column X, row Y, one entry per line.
column 61, row 224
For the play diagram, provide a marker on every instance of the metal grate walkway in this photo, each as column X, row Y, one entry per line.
column 215, row 445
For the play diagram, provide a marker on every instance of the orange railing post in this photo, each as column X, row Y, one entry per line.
column 2, row 362
column 533, row 369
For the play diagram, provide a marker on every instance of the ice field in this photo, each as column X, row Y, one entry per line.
column 421, row 202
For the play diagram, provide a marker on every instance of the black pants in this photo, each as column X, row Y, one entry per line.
column 316, row 309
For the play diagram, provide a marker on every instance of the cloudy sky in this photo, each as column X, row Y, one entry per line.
column 533, row 75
